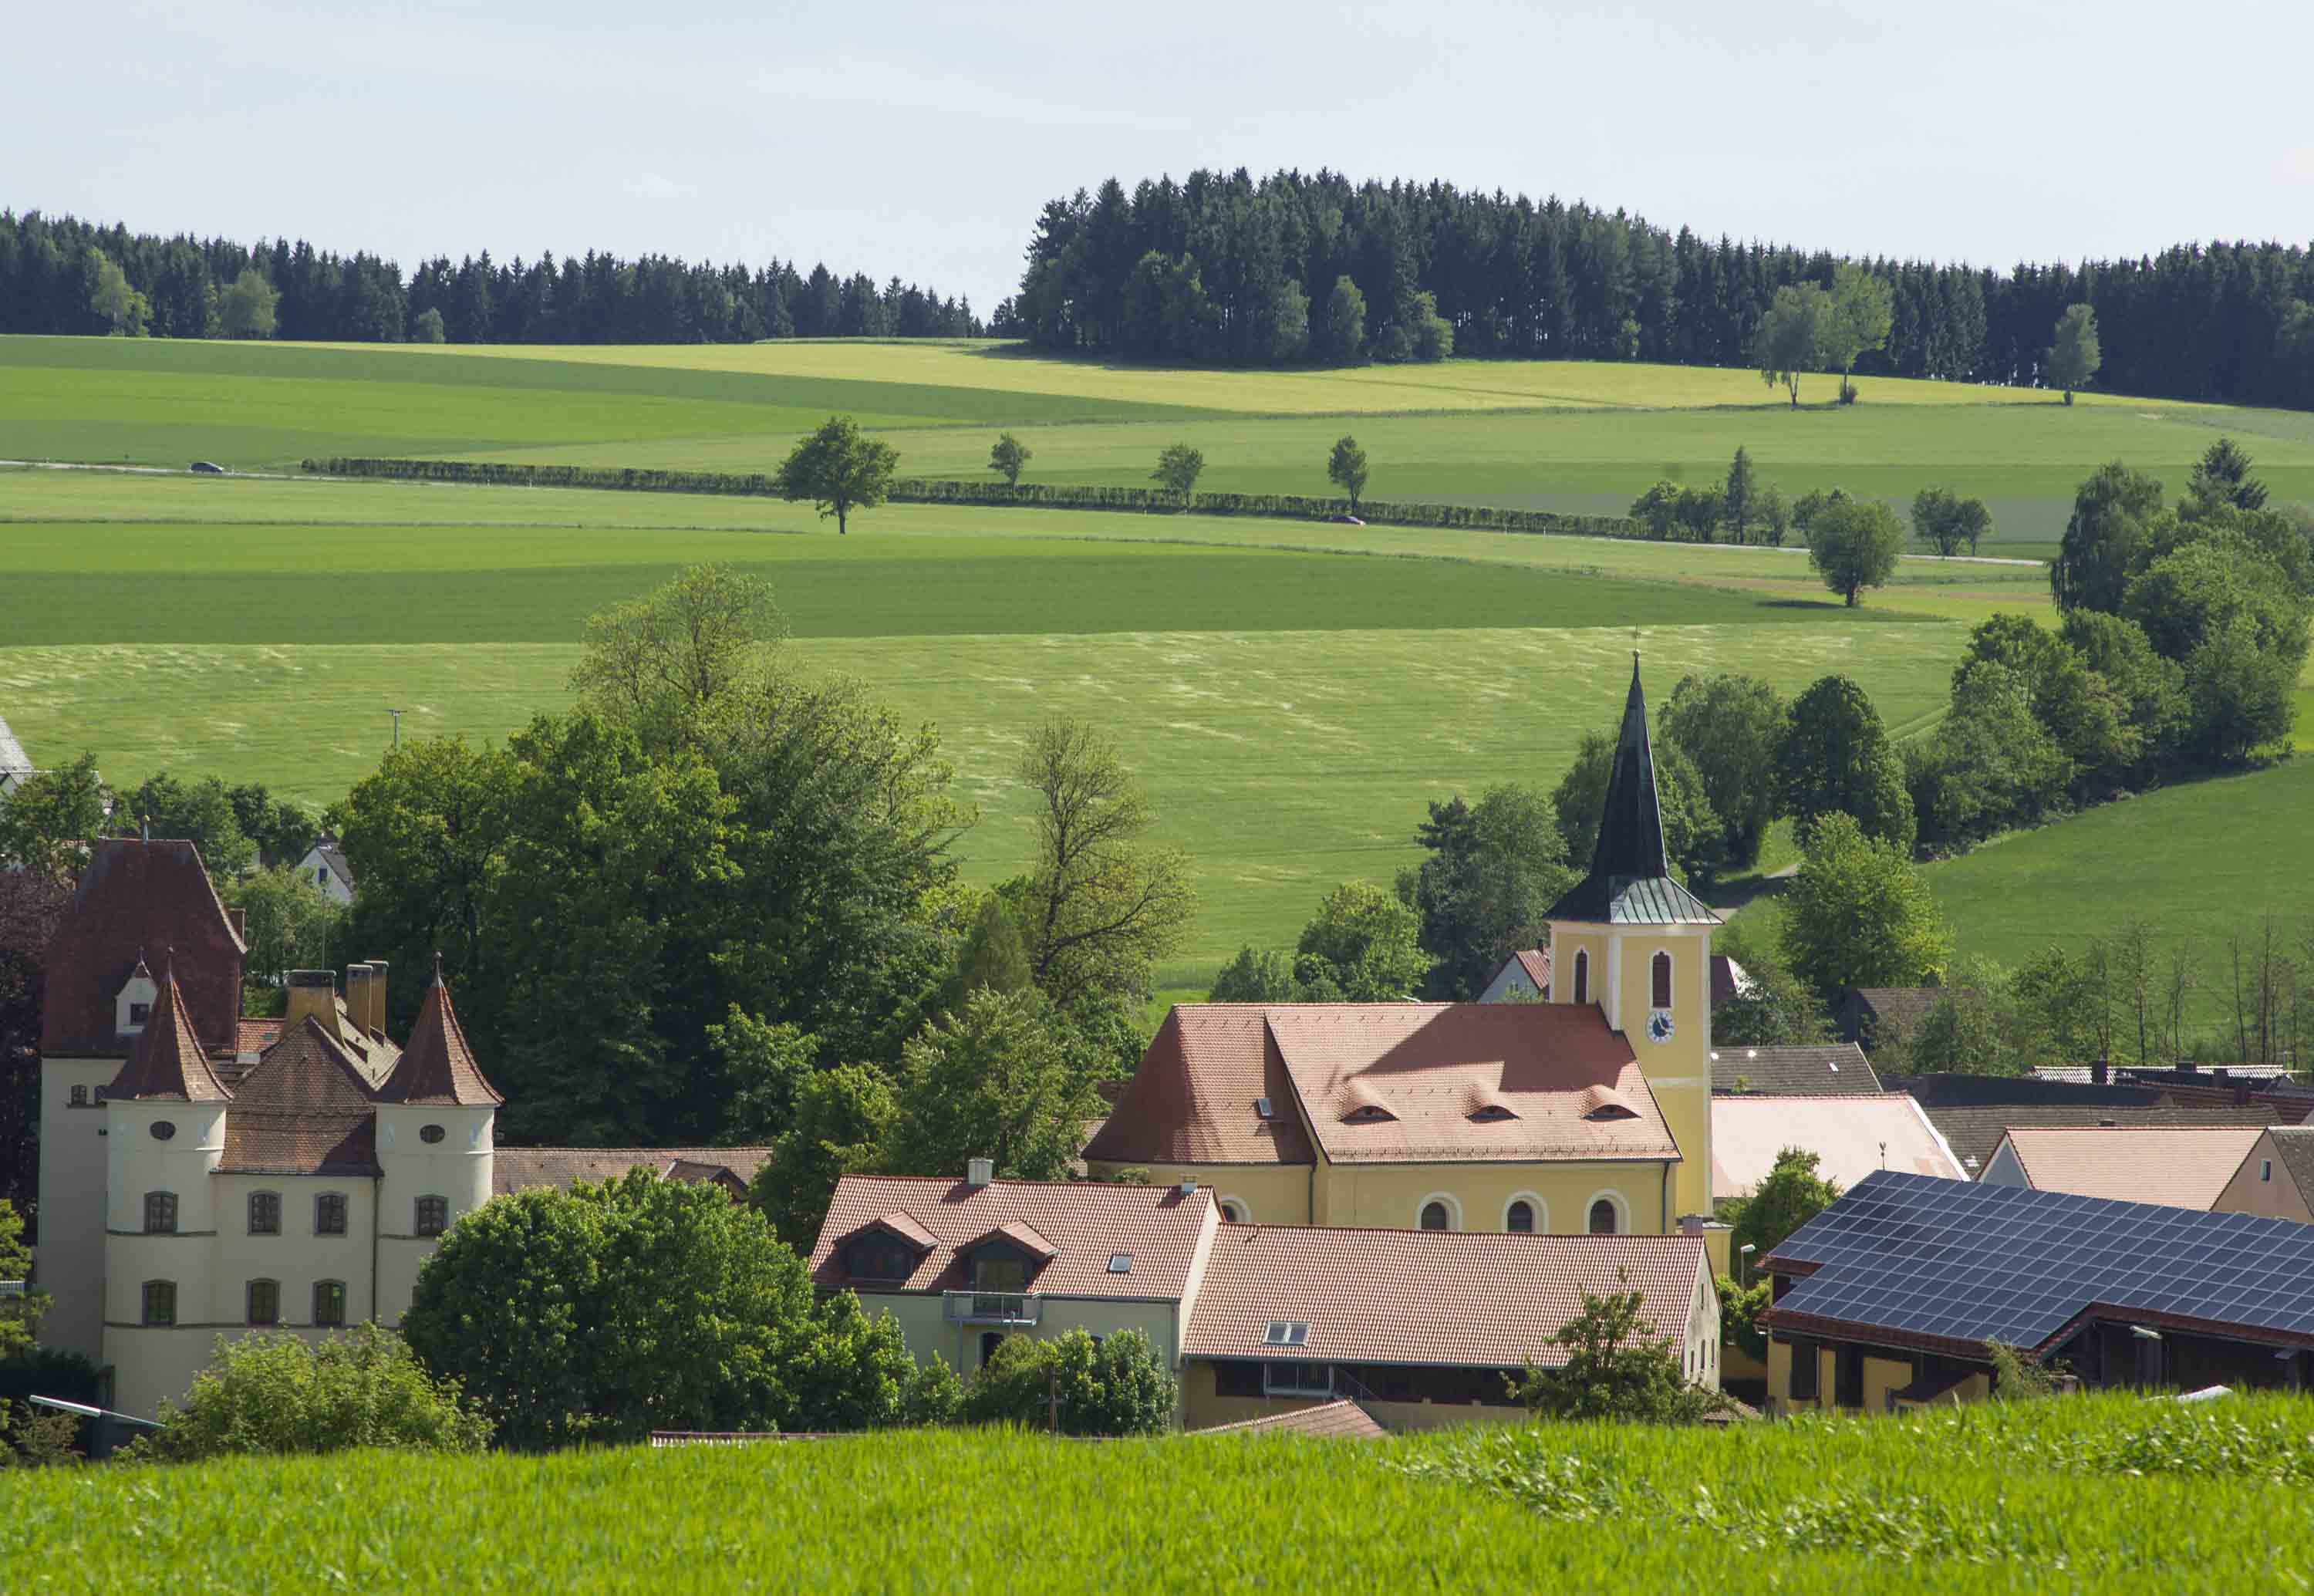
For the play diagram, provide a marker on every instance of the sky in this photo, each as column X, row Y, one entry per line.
column 921, row 140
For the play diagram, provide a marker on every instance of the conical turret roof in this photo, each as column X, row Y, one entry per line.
column 437, row 1066
column 167, row 1062
column 1631, row 881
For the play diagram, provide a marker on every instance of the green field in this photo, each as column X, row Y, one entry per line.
column 2090, row 1494
column 1291, row 693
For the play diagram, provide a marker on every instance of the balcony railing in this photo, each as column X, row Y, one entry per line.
column 993, row 1308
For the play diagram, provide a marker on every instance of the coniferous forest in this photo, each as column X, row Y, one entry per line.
column 50, row 267
column 1221, row 267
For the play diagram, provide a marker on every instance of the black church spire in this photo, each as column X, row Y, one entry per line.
column 1630, row 879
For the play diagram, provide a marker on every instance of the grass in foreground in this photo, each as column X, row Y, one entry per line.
column 2090, row 1492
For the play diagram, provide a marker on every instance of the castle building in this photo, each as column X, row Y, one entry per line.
column 204, row 1173
column 1589, row 1113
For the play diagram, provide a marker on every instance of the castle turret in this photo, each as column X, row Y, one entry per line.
column 1631, row 941
column 436, row 1114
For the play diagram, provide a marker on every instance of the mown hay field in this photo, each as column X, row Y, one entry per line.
column 2083, row 1493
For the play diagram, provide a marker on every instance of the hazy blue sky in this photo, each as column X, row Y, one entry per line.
column 920, row 140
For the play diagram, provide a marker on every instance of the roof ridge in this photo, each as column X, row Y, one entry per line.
column 1522, row 1236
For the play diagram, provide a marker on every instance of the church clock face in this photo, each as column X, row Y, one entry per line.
column 1659, row 1026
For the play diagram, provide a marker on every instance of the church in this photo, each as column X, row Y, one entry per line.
column 203, row 1172
column 1588, row 1113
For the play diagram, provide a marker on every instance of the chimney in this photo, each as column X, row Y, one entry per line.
column 239, row 920
column 314, row 992
column 2241, row 1094
column 1691, row 1224
column 2187, row 1066
column 357, row 998
column 2100, row 1072
column 378, row 995
column 979, row 1171
column 1188, row 1185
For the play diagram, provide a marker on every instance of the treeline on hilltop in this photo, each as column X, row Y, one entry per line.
column 1225, row 268
column 60, row 275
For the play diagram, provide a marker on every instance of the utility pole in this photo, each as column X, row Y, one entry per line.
column 397, row 715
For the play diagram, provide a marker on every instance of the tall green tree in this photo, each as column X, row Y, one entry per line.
column 659, row 664
column 1692, row 830
column 1364, row 945
column 2221, row 476
column 1489, row 873
column 1617, row 1368
column 838, row 1126
column 246, row 309
column 288, row 923
column 1346, row 468
column 2073, row 358
column 1791, row 336
column 1989, row 766
column 1255, row 976
column 48, row 818
column 1861, row 914
column 113, row 301
column 1861, row 312
column 839, row 469
column 1945, row 520
column 1344, row 337
column 2112, row 513
column 1006, row 457
column 1739, row 501
column 19, row 1314
column 1834, row 757
column 1728, row 727
column 1101, row 903
column 199, row 811
column 1792, row 1193
column 996, row 1082
column 1855, row 545
column 1179, row 466
column 1074, row 1385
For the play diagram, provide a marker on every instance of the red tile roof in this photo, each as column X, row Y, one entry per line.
column 437, row 1066
column 1536, row 962
column 306, row 1109
column 1463, row 1299
column 255, row 1036
column 1430, row 1067
column 2178, row 1166
column 517, row 1168
column 1192, row 1101
column 1343, row 1419
column 137, row 898
column 168, row 1062
column 1085, row 1222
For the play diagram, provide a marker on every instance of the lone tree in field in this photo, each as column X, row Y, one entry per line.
column 1177, row 470
column 1791, row 336
column 1346, row 468
column 1946, row 521
column 2073, row 359
column 1008, row 455
column 1862, row 310
column 245, row 310
column 1855, row 545
column 840, row 470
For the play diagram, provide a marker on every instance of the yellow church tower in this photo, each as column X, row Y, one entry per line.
column 1630, row 939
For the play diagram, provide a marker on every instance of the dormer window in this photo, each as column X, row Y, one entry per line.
column 139, row 1014
column 878, row 1256
column 133, row 1005
column 1606, row 1111
column 1488, row 1114
column 1368, row 1113
column 999, row 1269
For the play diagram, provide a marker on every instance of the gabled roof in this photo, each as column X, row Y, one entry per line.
column 1342, row 1419
column 1852, row 1134
column 517, row 1168
column 1085, row 1224
column 2293, row 1150
column 1013, row 1233
column 305, row 1109
column 1469, row 1298
column 1195, row 1097
column 1789, row 1072
column 1975, row 1133
column 1558, row 1067
column 899, row 1224
column 1631, row 881
column 168, row 1062
column 437, row 1066
column 1945, row 1266
column 2181, row 1166
column 327, row 851
column 135, row 895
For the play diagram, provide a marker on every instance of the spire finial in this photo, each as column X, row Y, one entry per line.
column 437, row 967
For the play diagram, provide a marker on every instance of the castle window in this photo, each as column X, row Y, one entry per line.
column 433, row 1215
column 430, row 1134
column 264, row 1301
column 330, row 1214
column 80, row 1097
column 1662, row 983
column 328, row 1302
column 160, row 1303
column 163, row 1130
column 1520, row 1218
column 160, row 1213
column 265, row 1213
column 1582, row 975
column 139, row 1013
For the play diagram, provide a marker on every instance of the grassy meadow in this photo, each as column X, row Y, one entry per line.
column 1291, row 693
column 2096, row 1493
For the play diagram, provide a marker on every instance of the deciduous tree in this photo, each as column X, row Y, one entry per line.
column 1834, row 757
column 246, row 308
column 839, row 469
column 289, row 924
column 1489, row 873
column 1346, row 468
column 274, row 1392
column 1792, row 1193
column 1344, row 340
column 1691, row 828
column 1007, row 455
column 993, row 1082
column 1859, row 914
column 113, row 300
column 1861, row 312
column 1256, row 976
column 1790, row 340
column 1179, row 467
column 836, row 1127
column 1074, row 1385
column 2073, row 358
column 2098, row 554
column 1728, row 727
column 1362, row 947
column 1617, row 1368
column 48, row 817
column 1855, row 545
column 658, row 664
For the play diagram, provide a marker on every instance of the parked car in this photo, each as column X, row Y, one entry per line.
column 1346, row 521
column 205, row 467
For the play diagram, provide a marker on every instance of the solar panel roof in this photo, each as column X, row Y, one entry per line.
column 1961, row 1261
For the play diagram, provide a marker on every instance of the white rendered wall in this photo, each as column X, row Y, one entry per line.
column 71, row 1251
column 457, row 1167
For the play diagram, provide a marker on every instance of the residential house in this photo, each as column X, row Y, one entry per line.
column 325, row 870
column 1525, row 978
column 1588, row 1113
column 1893, row 1296
column 1804, row 1072
column 1852, row 1134
column 2276, row 1177
column 1974, row 1112
column 203, row 1172
column 1873, row 1016
column 2182, row 1165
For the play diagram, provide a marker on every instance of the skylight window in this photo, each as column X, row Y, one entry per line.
column 1286, row 1332
column 1261, row 1108
column 1120, row 1262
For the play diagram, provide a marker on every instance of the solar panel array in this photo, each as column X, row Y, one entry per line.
column 1970, row 1262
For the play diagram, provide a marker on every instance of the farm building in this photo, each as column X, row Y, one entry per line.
column 1852, row 1134
column 1804, row 1072
column 2182, row 1165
